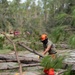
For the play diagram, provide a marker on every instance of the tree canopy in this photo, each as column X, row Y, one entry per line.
column 42, row 17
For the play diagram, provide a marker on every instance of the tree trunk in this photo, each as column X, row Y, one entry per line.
column 16, row 67
column 23, row 59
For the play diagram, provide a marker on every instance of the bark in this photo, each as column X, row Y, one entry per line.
column 16, row 67
column 23, row 59
column 29, row 49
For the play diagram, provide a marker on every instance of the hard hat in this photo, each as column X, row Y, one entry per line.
column 43, row 37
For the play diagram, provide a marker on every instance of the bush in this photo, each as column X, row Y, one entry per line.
column 72, row 41
column 58, row 34
column 48, row 62
column 1, row 42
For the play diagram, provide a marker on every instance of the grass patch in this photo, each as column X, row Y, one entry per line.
column 4, row 51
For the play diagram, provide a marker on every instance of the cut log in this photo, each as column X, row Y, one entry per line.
column 23, row 59
column 16, row 67
column 29, row 49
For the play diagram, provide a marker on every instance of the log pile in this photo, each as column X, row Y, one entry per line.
column 25, row 61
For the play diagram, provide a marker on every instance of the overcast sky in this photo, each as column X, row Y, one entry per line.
column 21, row 0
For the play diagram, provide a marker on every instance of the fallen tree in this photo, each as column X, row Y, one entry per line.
column 16, row 67
column 12, row 58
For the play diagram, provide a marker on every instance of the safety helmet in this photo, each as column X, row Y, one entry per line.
column 43, row 37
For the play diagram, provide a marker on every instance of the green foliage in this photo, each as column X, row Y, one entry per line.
column 9, row 47
column 73, row 16
column 4, row 51
column 68, row 72
column 63, row 19
column 43, row 16
column 73, row 10
column 57, row 34
column 61, row 16
column 1, row 42
column 72, row 41
column 48, row 62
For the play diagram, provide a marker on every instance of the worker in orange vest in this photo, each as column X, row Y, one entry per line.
column 48, row 46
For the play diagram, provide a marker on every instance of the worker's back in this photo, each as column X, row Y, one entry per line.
column 52, row 49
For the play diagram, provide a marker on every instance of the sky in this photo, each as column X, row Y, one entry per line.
column 21, row 0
